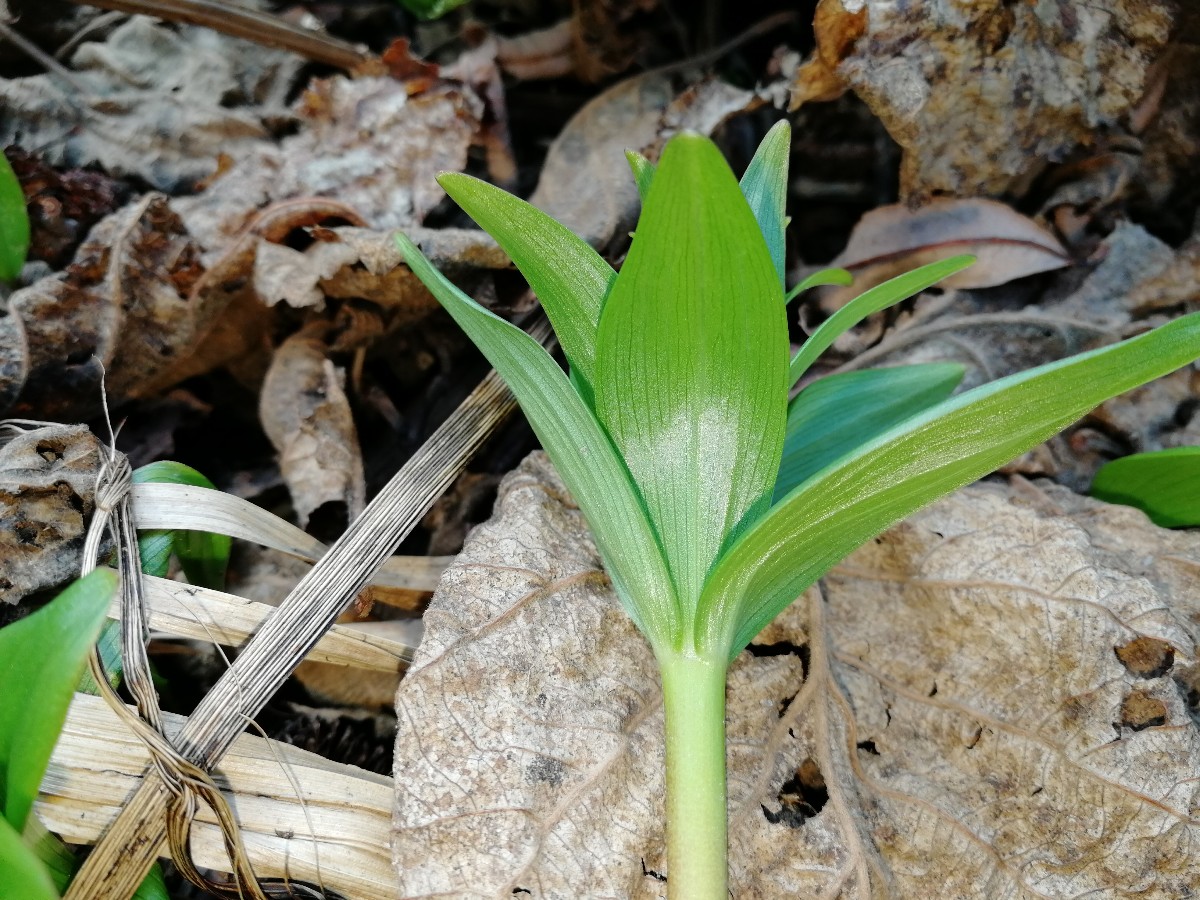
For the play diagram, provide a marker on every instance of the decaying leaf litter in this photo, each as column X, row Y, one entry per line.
column 961, row 684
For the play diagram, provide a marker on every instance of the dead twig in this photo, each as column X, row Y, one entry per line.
column 238, row 22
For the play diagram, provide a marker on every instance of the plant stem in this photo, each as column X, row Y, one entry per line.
column 694, row 699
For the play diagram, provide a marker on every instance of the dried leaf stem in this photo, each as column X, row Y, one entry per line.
column 236, row 21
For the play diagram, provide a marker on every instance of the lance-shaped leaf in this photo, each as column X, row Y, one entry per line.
column 22, row 874
column 691, row 361
column 922, row 459
column 764, row 185
column 14, row 223
column 570, row 278
column 1165, row 485
column 41, row 659
column 839, row 413
column 877, row 298
column 582, row 452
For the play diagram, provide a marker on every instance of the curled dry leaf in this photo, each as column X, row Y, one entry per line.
column 891, row 240
column 981, row 95
column 47, row 484
column 306, row 414
column 157, row 101
column 365, row 142
column 585, row 182
column 988, row 700
column 125, row 307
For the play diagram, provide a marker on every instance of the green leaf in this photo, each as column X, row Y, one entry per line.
column 108, row 646
column 836, row 414
column 431, row 9
column 818, row 279
column 764, row 185
column 204, row 556
column 53, row 853
column 14, row 223
column 691, row 361
column 153, row 887
column 643, row 171
column 582, row 452
column 41, row 659
column 922, row 459
column 877, row 298
column 22, row 875
column 570, row 278
column 1165, row 485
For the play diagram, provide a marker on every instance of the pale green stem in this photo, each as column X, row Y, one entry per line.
column 694, row 699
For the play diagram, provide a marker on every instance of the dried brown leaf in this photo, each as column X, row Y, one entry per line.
column 160, row 102
column 891, row 240
column 126, row 305
column 981, row 95
column 306, row 414
column 965, row 727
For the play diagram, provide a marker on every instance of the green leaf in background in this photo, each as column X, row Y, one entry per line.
column 924, row 458
column 764, row 185
column 204, row 556
column 838, row 413
column 820, row 278
column 41, row 659
column 14, row 223
column 570, row 279
column 22, row 874
column 691, row 361
column 582, row 452
column 432, row 9
column 1165, row 485
column 872, row 301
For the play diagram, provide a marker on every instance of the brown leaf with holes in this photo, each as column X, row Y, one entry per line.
column 946, row 716
column 47, row 485
column 982, row 95
column 306, row 414
column 891, row 240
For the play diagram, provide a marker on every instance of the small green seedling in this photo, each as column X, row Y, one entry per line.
column 14, row 223
column 713, row 504
column 1165, row 485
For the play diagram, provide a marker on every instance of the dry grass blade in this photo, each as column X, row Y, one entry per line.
column 202, row 509
column 97, row 764
column 237, row 21
column 207, row 615
column 121, row 859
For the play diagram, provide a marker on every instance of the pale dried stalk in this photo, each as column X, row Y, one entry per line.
column 203, row 509
column 239, row 22
column 98, row 763
column 122, row 858
column 207, row 615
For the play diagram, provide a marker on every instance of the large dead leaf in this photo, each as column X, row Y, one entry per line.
column 981, row 95
column 158, row 101
column 988, row 700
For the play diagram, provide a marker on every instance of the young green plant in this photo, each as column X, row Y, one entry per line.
column 714, row 505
